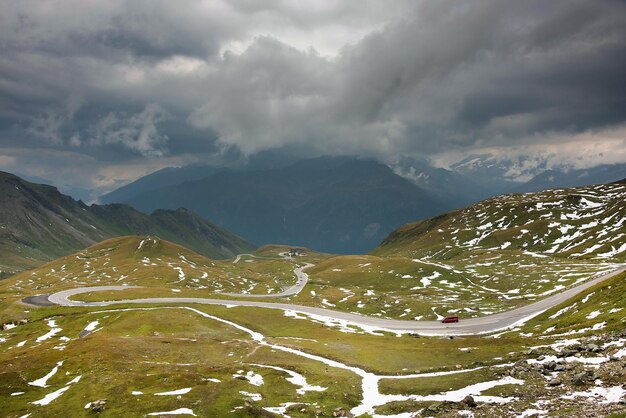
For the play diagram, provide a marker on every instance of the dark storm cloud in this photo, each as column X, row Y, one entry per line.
column 450, row 75
column 159, row 80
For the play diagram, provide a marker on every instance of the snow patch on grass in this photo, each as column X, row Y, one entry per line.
column 174, row 392
column 52, row 396
column 179, row 411
column 42, row 382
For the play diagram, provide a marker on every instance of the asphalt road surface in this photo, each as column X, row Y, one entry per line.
column 473, row 326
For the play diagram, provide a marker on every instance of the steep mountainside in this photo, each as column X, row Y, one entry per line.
column 584, row 223
column 37, row 224
column 332, row 204
column 162, row 178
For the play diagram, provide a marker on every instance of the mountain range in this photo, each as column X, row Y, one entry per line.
column 38, row 223
column 332, row 204
column 340, row 204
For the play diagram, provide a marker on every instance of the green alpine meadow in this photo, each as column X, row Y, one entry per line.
column 156, row 327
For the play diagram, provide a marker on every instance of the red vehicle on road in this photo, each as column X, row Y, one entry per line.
column 450, row 319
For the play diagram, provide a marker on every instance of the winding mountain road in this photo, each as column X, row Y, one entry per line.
column 473, row 326
column 301, row 280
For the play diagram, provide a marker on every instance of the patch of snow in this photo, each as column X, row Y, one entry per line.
column 252, row 396
column 612, row 394
column 439, row 317
column 253, row 378
column 586, row 299
column 41, row 382
column 426, row 281
column 561, row 312
column 91, row 326
column 52, row 396
column 174, row 392
column 297, row 379
column 179, row 411
column 593, row 314
column 531, row 413
column 280, row 410
column 181, row 273
column 51, row 333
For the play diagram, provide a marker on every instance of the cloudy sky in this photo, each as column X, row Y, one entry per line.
column 94, row 94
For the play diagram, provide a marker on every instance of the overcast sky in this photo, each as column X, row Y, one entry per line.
column 93, row 94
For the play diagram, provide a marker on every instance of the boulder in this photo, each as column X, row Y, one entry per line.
column 469, row 401
column 579, row 378
column 98, row 406
column 434, row 408
column 592, row 348
column 568, row 353
column 550, row 365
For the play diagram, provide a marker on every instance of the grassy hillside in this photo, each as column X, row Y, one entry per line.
column 131, row 354
column 38, row 224
column 160, row 265
column 580, row 223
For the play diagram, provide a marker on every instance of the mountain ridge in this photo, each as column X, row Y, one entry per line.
column 38, row 223
column 338, row 205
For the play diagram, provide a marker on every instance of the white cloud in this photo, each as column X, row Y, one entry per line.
column 552, row 151
column 137, row 132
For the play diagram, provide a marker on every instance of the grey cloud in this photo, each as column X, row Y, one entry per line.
column 138, row 132
column 156, row 79
column 451, row 75
column 114, row 30
column 259, row 98
column 49, row 125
